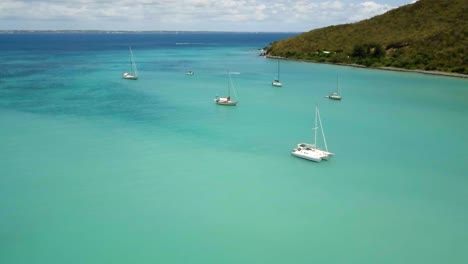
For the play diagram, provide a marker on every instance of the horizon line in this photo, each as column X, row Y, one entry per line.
column 135, row 31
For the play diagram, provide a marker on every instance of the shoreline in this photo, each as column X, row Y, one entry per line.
column 436, row 73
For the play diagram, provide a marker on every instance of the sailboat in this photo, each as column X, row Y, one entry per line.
column 134, row 74
column 188, row 72
column 312, row 151
column 335, row 95
column 227, row 100
column 276, row 82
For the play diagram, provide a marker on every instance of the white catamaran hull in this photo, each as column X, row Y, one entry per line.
column 307, row 154
column 324, row 155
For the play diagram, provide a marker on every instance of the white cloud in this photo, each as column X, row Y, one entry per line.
column 368, row 9
column 240, row 15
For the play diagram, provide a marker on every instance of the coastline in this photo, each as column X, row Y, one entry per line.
column 438, row 73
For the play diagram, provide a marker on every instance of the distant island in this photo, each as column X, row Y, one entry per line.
column 77, row 31
column 428, row 36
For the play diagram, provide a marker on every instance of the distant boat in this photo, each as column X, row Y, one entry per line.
column 134, row 74
column 335, row 95
column 312, row 151
column 188, row 71
column 276, row 82
column 227, row 100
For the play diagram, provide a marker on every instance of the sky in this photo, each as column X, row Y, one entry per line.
column 188, row 15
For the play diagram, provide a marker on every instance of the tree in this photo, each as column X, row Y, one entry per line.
column 359, row 51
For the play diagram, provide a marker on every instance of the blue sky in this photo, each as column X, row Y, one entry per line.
column 211, row 15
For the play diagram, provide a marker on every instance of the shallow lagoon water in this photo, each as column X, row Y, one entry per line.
column 97, row 169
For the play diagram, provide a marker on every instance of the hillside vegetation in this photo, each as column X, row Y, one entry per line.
column 427, row 35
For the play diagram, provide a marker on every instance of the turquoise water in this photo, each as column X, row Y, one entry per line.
column 97, row 169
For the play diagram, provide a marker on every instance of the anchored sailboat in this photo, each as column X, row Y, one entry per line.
column 335, row 95
column 134, row 74
column 189, row 72
column 227, row 100
column 276, row 82
column 312, row 151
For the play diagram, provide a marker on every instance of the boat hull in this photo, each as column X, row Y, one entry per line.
column 324, row 155
column 230, row 103
column 224, row 101
column 334, row 96
column 277, row 84
column 129, row 76
column 305, row 154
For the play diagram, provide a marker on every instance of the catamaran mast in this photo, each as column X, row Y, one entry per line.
column 315, row 127
column 321, row 129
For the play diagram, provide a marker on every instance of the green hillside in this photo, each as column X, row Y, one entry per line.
column 427, row 35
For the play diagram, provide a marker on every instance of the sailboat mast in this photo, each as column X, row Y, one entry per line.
column 315, row 127
column 278, row 70
column 229, row 83
column 131, row 56
column 338, row 84
column 132, row 61
column 338, row 88
column 321, row 129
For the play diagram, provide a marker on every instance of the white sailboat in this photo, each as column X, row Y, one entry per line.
column 276, row 82
column 189, row 72
column 227, row 100
column 134, row 74
column 335, row 95
column 312, row 151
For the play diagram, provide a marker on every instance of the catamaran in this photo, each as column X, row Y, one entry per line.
column 227, row 100
column 276, row 82
column 312, row 151
column 134, row 74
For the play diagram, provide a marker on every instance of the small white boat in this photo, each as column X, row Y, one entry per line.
column 227, row 100
column 189, row 73
column 276, row 82
column 134, row 74
column 129, row 76
column 336, row 95
column 311, row 151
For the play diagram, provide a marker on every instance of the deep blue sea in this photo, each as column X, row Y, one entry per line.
column 98, row 169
